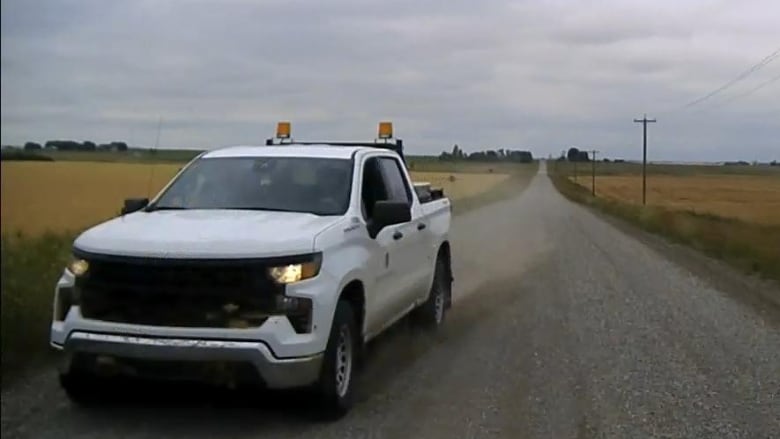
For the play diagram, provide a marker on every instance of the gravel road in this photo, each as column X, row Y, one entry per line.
column 563, row 326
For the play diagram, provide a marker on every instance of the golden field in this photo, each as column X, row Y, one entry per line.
column 71, row 196
column 750, row 198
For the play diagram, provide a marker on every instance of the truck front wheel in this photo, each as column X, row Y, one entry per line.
column 83, row 388
column 336, row 383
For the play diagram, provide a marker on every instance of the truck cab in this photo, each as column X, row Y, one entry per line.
column 278, row 261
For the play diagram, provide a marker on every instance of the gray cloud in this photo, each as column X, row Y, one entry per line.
column 522, row 74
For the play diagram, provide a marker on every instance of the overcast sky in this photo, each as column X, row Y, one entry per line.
column 538, row 75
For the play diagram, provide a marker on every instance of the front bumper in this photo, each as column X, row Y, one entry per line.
column 276, row 373
column 282, row 357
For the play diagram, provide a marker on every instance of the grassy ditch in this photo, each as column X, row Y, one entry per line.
column 750, row 247
column 31, row 266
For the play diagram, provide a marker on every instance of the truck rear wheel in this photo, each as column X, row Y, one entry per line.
column 431, row 313
column 336, row 383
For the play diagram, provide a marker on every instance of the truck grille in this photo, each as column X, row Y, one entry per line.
column 201, row 293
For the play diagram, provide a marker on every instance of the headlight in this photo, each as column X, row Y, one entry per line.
column 287, row 274
column 78, row 267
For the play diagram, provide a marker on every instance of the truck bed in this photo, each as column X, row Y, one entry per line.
column 426, row 193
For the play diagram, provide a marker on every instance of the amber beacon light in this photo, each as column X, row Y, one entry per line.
column 385, row 130
column 283, row 130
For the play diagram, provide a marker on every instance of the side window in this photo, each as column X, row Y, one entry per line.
column 397, row 189
column 373, row 188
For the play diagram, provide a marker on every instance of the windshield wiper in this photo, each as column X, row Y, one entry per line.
column 153, row 208
column 270, row 209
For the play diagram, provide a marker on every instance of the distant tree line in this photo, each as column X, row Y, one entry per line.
column 72, row 145
column 498, row 155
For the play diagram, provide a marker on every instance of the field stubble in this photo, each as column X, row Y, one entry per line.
column 731, row 216
column 69, row 196
column 750, row 198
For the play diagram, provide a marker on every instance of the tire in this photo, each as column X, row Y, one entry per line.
column 431, row 313
column 83, row 388
column 336, row 385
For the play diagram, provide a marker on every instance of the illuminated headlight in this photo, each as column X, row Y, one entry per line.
column 287, row 274
column 78, row 267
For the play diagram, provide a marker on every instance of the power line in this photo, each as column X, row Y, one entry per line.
column 758, row 66
column 749, row 92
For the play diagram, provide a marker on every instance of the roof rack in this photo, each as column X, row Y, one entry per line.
column 385, row 139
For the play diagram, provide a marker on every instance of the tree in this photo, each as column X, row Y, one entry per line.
column 88, row 146
column 32, row 146
column 119, row 146
column 575, row 155
column 64, row 145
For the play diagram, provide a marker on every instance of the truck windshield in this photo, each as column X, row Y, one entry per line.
column 292, row 184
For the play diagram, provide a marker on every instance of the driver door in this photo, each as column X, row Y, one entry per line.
column 390, row 256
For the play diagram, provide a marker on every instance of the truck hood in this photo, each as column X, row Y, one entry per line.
column 205, row 234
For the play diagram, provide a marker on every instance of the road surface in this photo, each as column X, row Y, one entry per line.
column 564, row 326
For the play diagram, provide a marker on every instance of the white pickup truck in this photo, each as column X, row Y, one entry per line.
column 275, row 263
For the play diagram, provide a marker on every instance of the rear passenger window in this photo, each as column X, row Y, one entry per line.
column 395, row 183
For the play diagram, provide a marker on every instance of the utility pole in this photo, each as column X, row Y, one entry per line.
column 593, row 172
column 644, row 121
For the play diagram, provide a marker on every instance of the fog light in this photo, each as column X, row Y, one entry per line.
column 284, row 303
column 297, row 310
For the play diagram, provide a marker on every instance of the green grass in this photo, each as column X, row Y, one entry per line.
column 30, row 269
column 751, row 248
column 21, row 155
column 31, row 266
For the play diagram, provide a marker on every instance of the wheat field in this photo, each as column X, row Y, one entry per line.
column 750, row 198
column 71, row 196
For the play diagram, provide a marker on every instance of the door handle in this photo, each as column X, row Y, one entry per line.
column 398, row 235
column 421, row 226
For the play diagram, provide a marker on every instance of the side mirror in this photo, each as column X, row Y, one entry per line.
column 387, row 213
column 134, row 205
